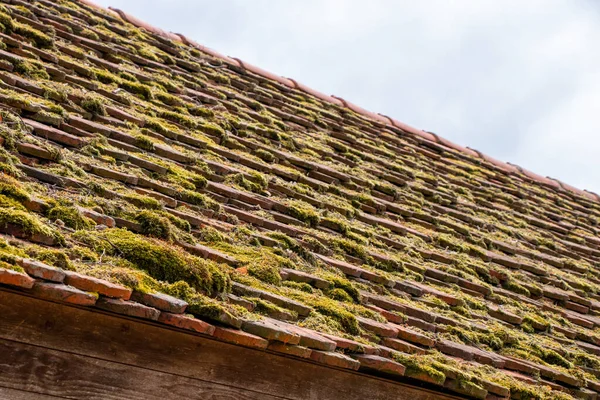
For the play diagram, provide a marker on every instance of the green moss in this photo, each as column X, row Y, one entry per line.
column 346, row 321
column 40, row 39
column 345, row 285
column 57, row 258
column 155, row 225
column 257, row 184
column 209, row 234
column 179, row 223
column 200, row 200
column 287, row 243
column 188, row 179
column 338, row 224
column 88, row 33
column 10, row 187
column 265, row 155
column 94, row 104
column 9, row 25
column 207, row 308
column 144, row 142
column 340, row 295
column 13, row 267
column 29, row 223
column 169, row 99
column 161, row 224
column 211, row 129
column 419, row 365
column 162, row 261
column 30, row 69
column 179, row 118
column 302, row 286
column 201, row 111
column 139, row 89
column 7, row 202
column 71, row 217
column 304, row 212
column 268, row 273
column 105, row 76
column 143, row 201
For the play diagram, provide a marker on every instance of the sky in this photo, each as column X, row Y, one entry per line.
column 517, row 80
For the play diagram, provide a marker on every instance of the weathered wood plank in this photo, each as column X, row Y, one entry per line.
column 71, row 376
column 113, row 338
column 11, row 394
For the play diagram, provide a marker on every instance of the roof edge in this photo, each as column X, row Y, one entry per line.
column 505, row 167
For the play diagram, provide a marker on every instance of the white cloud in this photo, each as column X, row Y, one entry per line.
column 515, row 79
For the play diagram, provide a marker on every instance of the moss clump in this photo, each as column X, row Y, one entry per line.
column 179, row 118
column 340, row 295
column 41, row 40
column 93, row 103
column 265, row 272
column 169, row 99
column 161, row 224
column 162, row 261
column 344, row 320
column 29, row 223
column 179, row 223
column 143, row 201
column 204, row 307
column 305, row 213
column 10, row 253
column 11, row 188
column 57, row 258
column 139, row 89
column 144, row 142
column 265, row 155
column 302, row 286
column 9, row 25
column 71, row 217
column 200, row 200
column 188, row 179
column 201, row 111
column 287, row 243
column 30, row 69
column 209, row 234
column 7, row 202
column 343, row 284
column 418, row 365
column 257, row 184
column 155, row 225
column 211, row 129
column 16, row 268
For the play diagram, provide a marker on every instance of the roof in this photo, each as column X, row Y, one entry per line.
column 146, row 175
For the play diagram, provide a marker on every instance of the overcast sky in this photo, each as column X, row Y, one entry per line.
column 518, row 80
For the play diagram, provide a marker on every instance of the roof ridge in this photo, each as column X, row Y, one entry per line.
column 505, row 167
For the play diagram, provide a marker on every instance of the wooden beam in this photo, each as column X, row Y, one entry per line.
column 136, row 345
column 6, row 393
column 67, row 375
